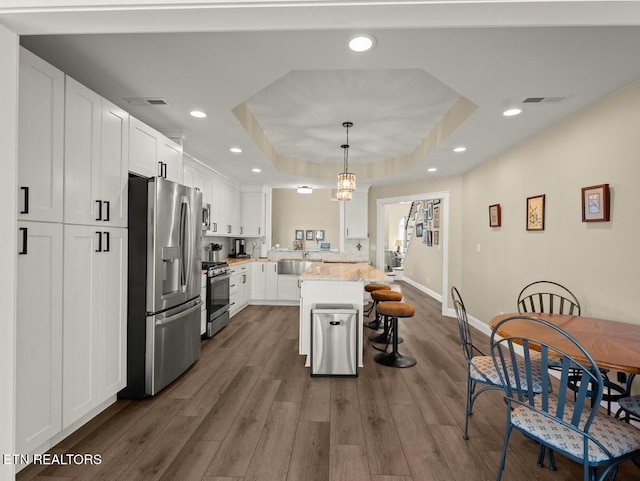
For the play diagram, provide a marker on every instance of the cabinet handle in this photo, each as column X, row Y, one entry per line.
column 215, row 227
column 99, row 249
column 159, row 169
column 24, row 241
column 262, row 267
column 26, row 200
column 99, row 202
column 259, row 231
column 232, row 285
column 275, row 267
column 108, row 205
column 228, row 228
column 244, row 278
column 108, row 241
column 164, row 169
column 240, row 230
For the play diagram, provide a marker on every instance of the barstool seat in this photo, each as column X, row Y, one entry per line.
column 394, row 310
column 371, row 287
column 378, row 296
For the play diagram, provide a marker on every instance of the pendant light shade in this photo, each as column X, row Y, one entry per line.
column 346, row 179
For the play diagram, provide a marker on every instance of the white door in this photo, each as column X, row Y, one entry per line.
column 38, row 334
column 114, row 164
column 40, row 139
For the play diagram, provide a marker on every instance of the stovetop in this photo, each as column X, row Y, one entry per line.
column 208, row 264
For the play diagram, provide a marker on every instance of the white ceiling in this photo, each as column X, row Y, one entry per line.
column 302, row 83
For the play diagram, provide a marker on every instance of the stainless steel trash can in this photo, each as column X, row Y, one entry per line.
column 334, row 340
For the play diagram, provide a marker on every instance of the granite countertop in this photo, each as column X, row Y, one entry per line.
column 344, row 272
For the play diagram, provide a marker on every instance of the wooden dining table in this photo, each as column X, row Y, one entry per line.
column 612, row 344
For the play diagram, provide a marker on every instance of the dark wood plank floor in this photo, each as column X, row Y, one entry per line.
column 249, row 411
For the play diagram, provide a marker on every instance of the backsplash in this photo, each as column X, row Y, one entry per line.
column 225, row 242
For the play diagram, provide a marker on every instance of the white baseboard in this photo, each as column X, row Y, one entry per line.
column 426, row 290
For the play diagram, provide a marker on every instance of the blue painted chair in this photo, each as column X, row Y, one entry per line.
column 573, row 428
column 481, row 370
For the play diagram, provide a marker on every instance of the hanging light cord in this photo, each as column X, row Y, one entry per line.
column 346, row 148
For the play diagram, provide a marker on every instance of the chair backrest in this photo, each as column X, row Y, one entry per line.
column 463, row 325
column 548, row 297
column 586, row 382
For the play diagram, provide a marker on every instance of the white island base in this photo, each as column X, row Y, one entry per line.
column 334, row 284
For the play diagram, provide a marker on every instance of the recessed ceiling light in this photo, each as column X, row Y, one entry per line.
column 461, row 148
column 198, row 114
column 256, row 170
column 362, row 43
column 303, row 189
column 235, row 150
column 431, row 169
column 512, row 112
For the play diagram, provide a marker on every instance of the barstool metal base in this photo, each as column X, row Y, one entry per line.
column 395, row 359
column 384, row 338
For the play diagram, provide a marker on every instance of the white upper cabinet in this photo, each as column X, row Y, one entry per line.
column 356, row 216
column 253, row 213
column 40, row 140
column 152, row 154
column 96, row 159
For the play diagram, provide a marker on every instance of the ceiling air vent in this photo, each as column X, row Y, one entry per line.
column 146, row 101
column 544, row 100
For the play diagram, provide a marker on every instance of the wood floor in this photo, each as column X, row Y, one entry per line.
column 248, row 410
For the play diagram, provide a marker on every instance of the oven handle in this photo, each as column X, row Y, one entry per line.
column 220, row 278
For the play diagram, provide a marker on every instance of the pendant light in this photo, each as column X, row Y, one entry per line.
column 346, row 179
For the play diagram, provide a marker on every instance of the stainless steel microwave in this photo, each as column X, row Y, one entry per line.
column 206, row 217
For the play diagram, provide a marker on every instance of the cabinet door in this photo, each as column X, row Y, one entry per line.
column 224, row 213
column 143, row 149
column 83, row 113
column 40, row 139
column 112, row 361
column 80, row 328
column 258, row 280
column 114, row 164
column 38, row 334
column 170, row 158
column 356, row 216
column 236, row 212
column 212, row 195
column 253, row 214
column 271, row 281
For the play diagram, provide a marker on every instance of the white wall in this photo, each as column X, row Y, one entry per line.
column 8, row 244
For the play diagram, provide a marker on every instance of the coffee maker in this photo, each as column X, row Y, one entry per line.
column 238, row 248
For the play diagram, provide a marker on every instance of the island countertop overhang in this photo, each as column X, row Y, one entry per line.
column 344, row 272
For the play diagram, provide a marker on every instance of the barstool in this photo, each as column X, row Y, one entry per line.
column 373, row 286
column 383, row 296
column 394, row 310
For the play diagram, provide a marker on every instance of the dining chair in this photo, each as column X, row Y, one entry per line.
column 480, row 367
column 573, row 428
column 549, row 297
column 629, row 404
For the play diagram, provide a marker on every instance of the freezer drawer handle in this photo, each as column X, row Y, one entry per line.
column 170, row 319
column 24, row 241
column 334, row 323
column 26, row 200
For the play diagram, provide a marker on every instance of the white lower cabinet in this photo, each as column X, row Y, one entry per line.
column 38, row 334
column 288, row 288
column 95, row 316
column 239, row 288
column 264, row 284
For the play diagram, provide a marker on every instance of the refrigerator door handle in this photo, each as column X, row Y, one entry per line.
column 186, row 251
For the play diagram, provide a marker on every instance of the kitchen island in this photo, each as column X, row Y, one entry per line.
column 334, row 283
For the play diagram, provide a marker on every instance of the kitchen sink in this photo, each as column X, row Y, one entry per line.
column 293, row 267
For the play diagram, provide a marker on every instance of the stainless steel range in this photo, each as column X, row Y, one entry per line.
column 217, row 300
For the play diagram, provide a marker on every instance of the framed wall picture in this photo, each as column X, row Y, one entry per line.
column 436, row 237
column 535, row 212
column 419, row 229
column 495, row 215
column 429, row 210
column 595, row 203
column 309, row 235
column 299, row 234
column 429, row 238
column 436, row 216
column 320, row 235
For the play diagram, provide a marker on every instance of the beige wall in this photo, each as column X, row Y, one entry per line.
column 292, row 211
column 599, row 261
column 392, row 215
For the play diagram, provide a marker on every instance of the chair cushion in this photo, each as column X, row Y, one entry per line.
column 386, row 295
column 630, row 404
column 375, row 287
column 395, row 309
column 617, row 436
column 482, row 369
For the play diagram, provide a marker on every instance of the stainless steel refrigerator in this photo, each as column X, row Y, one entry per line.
column 163, row 325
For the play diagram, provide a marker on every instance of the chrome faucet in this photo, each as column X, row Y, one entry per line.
column 304, row 253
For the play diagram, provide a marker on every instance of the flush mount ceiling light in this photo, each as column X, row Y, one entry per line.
column 512, row 112
column 362, row 43
column 198, row 114
column 303, row 189
column 235, row 150
column 460, row 148
column 346, row 179
column 256, row 170
column 432, row 169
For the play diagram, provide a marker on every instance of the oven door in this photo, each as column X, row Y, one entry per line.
column 217, row 296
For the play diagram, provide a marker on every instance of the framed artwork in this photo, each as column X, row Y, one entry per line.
column 429, row 210
column 495, row 215
column 595, row 203
column 299, row 234
column 535, row 212
column 436, row 216
column 436, row 237
column 429, row 238
column 419, row 228
column 309, row 235
column 320, row 235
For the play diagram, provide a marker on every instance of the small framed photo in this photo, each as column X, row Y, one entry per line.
column 436, row 217
column 436, row 237
column 320, row 235
column 535, row 212
column 299, row 234
column 595, row 203
column 419, row 229
column 309, row 235
column 495, row 215
column 429, row 210
column 429, row 238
